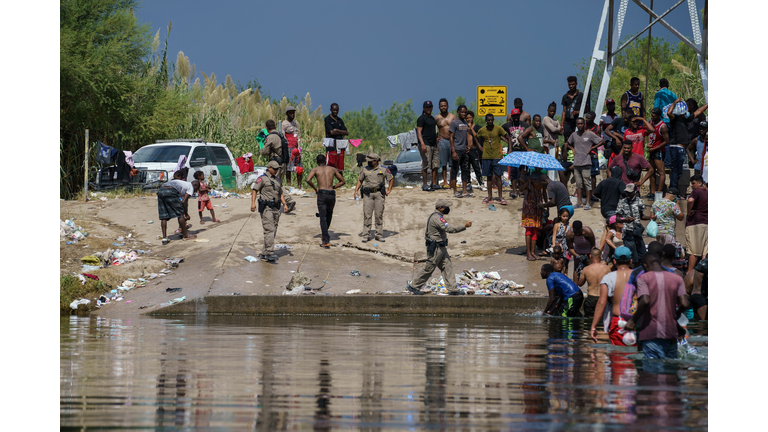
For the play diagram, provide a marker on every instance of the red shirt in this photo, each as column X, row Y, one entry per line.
column 635, row 162
column 663, row 288
column 638, row 139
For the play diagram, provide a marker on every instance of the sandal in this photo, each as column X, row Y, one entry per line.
column 502, row 201
column 486, row 201
column 202, row 222
column 458, row 195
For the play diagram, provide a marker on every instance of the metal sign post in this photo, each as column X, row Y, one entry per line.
column 85, row 187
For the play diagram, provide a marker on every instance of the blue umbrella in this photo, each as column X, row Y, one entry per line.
column 532, row 160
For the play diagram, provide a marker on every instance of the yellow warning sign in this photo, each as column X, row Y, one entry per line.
column 492, row 100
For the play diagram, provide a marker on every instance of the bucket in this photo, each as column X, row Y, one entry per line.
column 657, row 196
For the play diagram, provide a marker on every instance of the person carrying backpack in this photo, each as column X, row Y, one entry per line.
column 276, row 149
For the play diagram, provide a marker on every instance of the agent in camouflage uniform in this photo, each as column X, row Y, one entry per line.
column 269, row 207
column 273, row 150
column 437, row 251
column 376, row 182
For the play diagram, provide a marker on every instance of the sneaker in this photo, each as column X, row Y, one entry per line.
column 587, row 207
column 650, row 196
column 426, row 188
column 272, row 257
column 380, row 238
column 457, row 292
column 435, row 187
column 413, row 290
column 166, row 241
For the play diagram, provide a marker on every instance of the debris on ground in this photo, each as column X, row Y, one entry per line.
column 297, row 283
column 283, row 246
column 354, row 291
column 177, row 300
column 250, row 258
column 354, row 273
column 170, row 290
column 68, row 230
column 77, row 303
column 474, row 282
column 173, row 261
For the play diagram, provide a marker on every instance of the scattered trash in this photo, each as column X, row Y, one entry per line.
column 118, row 244
column 251, row 258
column 128, row 301
column 90, row 276
column 144, row 307
column 375, row 245
column 173, row 261
column 248, row 282
column 77, row 303
column 298, row 279
column 68, row 230
column 201, row 240
column 170, row 290
column 354, row 291
column 473, row 282
column 463, row 241
column 237, row 293
column 151, row 222
column 492, row 207
column 354, row 273
column 87, row 268
column 177, row 300
column 283, row 246
column 295, row 291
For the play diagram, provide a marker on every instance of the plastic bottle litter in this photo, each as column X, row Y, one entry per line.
column 251, row 258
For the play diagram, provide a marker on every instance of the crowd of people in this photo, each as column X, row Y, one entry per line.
column 663, row 278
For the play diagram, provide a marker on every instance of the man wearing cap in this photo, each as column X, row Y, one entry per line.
column 565, row 297
column 269, row 204
column 291, row 133
column 376, row 182
column 273, row 150
column 427, row 136
column 437, row 252
column 524, row 115
column 665, row 211
column 631, row 208
column 612, row 286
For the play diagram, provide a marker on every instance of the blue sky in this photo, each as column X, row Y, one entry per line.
column 362, row 52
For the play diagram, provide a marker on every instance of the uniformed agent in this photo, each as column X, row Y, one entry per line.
column 269, row 204
column 376, row 182
column 273, row 150
column 437, row 251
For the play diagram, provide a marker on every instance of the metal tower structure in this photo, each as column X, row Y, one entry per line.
column 699, row 44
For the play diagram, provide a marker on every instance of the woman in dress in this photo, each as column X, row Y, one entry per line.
column 532, row 214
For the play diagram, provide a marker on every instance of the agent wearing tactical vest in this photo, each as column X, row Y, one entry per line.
column 273, row 150
column 269, row 205
column 437, row 252
column 376, row 184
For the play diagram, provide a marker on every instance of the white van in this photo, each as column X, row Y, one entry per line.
column 157, row 162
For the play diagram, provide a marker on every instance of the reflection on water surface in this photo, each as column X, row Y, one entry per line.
column 369, row 373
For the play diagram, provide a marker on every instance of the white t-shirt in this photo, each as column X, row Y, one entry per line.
column 610, row 281
column 184, row 187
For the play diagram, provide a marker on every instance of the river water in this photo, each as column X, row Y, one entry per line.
column 370, row 373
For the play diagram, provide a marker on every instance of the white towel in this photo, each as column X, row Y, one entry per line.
column 328, row 142
column 342, row 144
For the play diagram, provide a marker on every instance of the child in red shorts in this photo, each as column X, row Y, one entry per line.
column 203, row 200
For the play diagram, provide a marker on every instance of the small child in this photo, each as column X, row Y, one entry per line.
column 558, row 261
column 203, row 200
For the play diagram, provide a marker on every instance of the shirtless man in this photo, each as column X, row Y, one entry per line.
column 326, row 194
column 592, row 275
column 580, row 241
column 444, row 120
column 612, row 286
column 524, row 116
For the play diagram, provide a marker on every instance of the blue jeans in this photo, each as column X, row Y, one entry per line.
column 677, row 158
column 659, row 348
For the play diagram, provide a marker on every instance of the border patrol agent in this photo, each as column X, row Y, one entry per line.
column 437, row 252
column 269, row 207
column 376, row 182
column 273, row 150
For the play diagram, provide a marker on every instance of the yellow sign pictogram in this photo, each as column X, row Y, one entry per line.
column 492, row 100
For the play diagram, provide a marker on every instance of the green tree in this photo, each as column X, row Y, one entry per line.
column 398, row 118
column 363, row 124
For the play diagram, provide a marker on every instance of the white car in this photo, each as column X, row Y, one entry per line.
column 157, row 162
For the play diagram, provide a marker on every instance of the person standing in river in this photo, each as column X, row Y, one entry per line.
column 326, row 195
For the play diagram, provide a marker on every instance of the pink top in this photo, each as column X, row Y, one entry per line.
column 203, row 196
column 663, row 288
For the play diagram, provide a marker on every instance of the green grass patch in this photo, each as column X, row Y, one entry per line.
column 72, row 289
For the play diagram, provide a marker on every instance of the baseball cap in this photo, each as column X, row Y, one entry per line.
column 622, row 252
column 656, row 111
column 372, row 157
column 630, row 188
column 514, row 111
column 289, row 108
column 427, row 104
column 704, row 124
column 609, row 101
column 273, row 165
column 673, row 191
column 442, row 203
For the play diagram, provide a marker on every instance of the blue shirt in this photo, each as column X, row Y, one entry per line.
column 563, row 286
column 663, row 98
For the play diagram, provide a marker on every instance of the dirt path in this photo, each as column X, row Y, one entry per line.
column 215, row 264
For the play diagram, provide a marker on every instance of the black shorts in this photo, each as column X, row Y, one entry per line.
column 589, row 305
column 697, row 301
column 570, row 307
column 657, row 155
column 169, row 204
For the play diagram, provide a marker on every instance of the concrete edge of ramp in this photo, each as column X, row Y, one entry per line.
column 357, row 304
